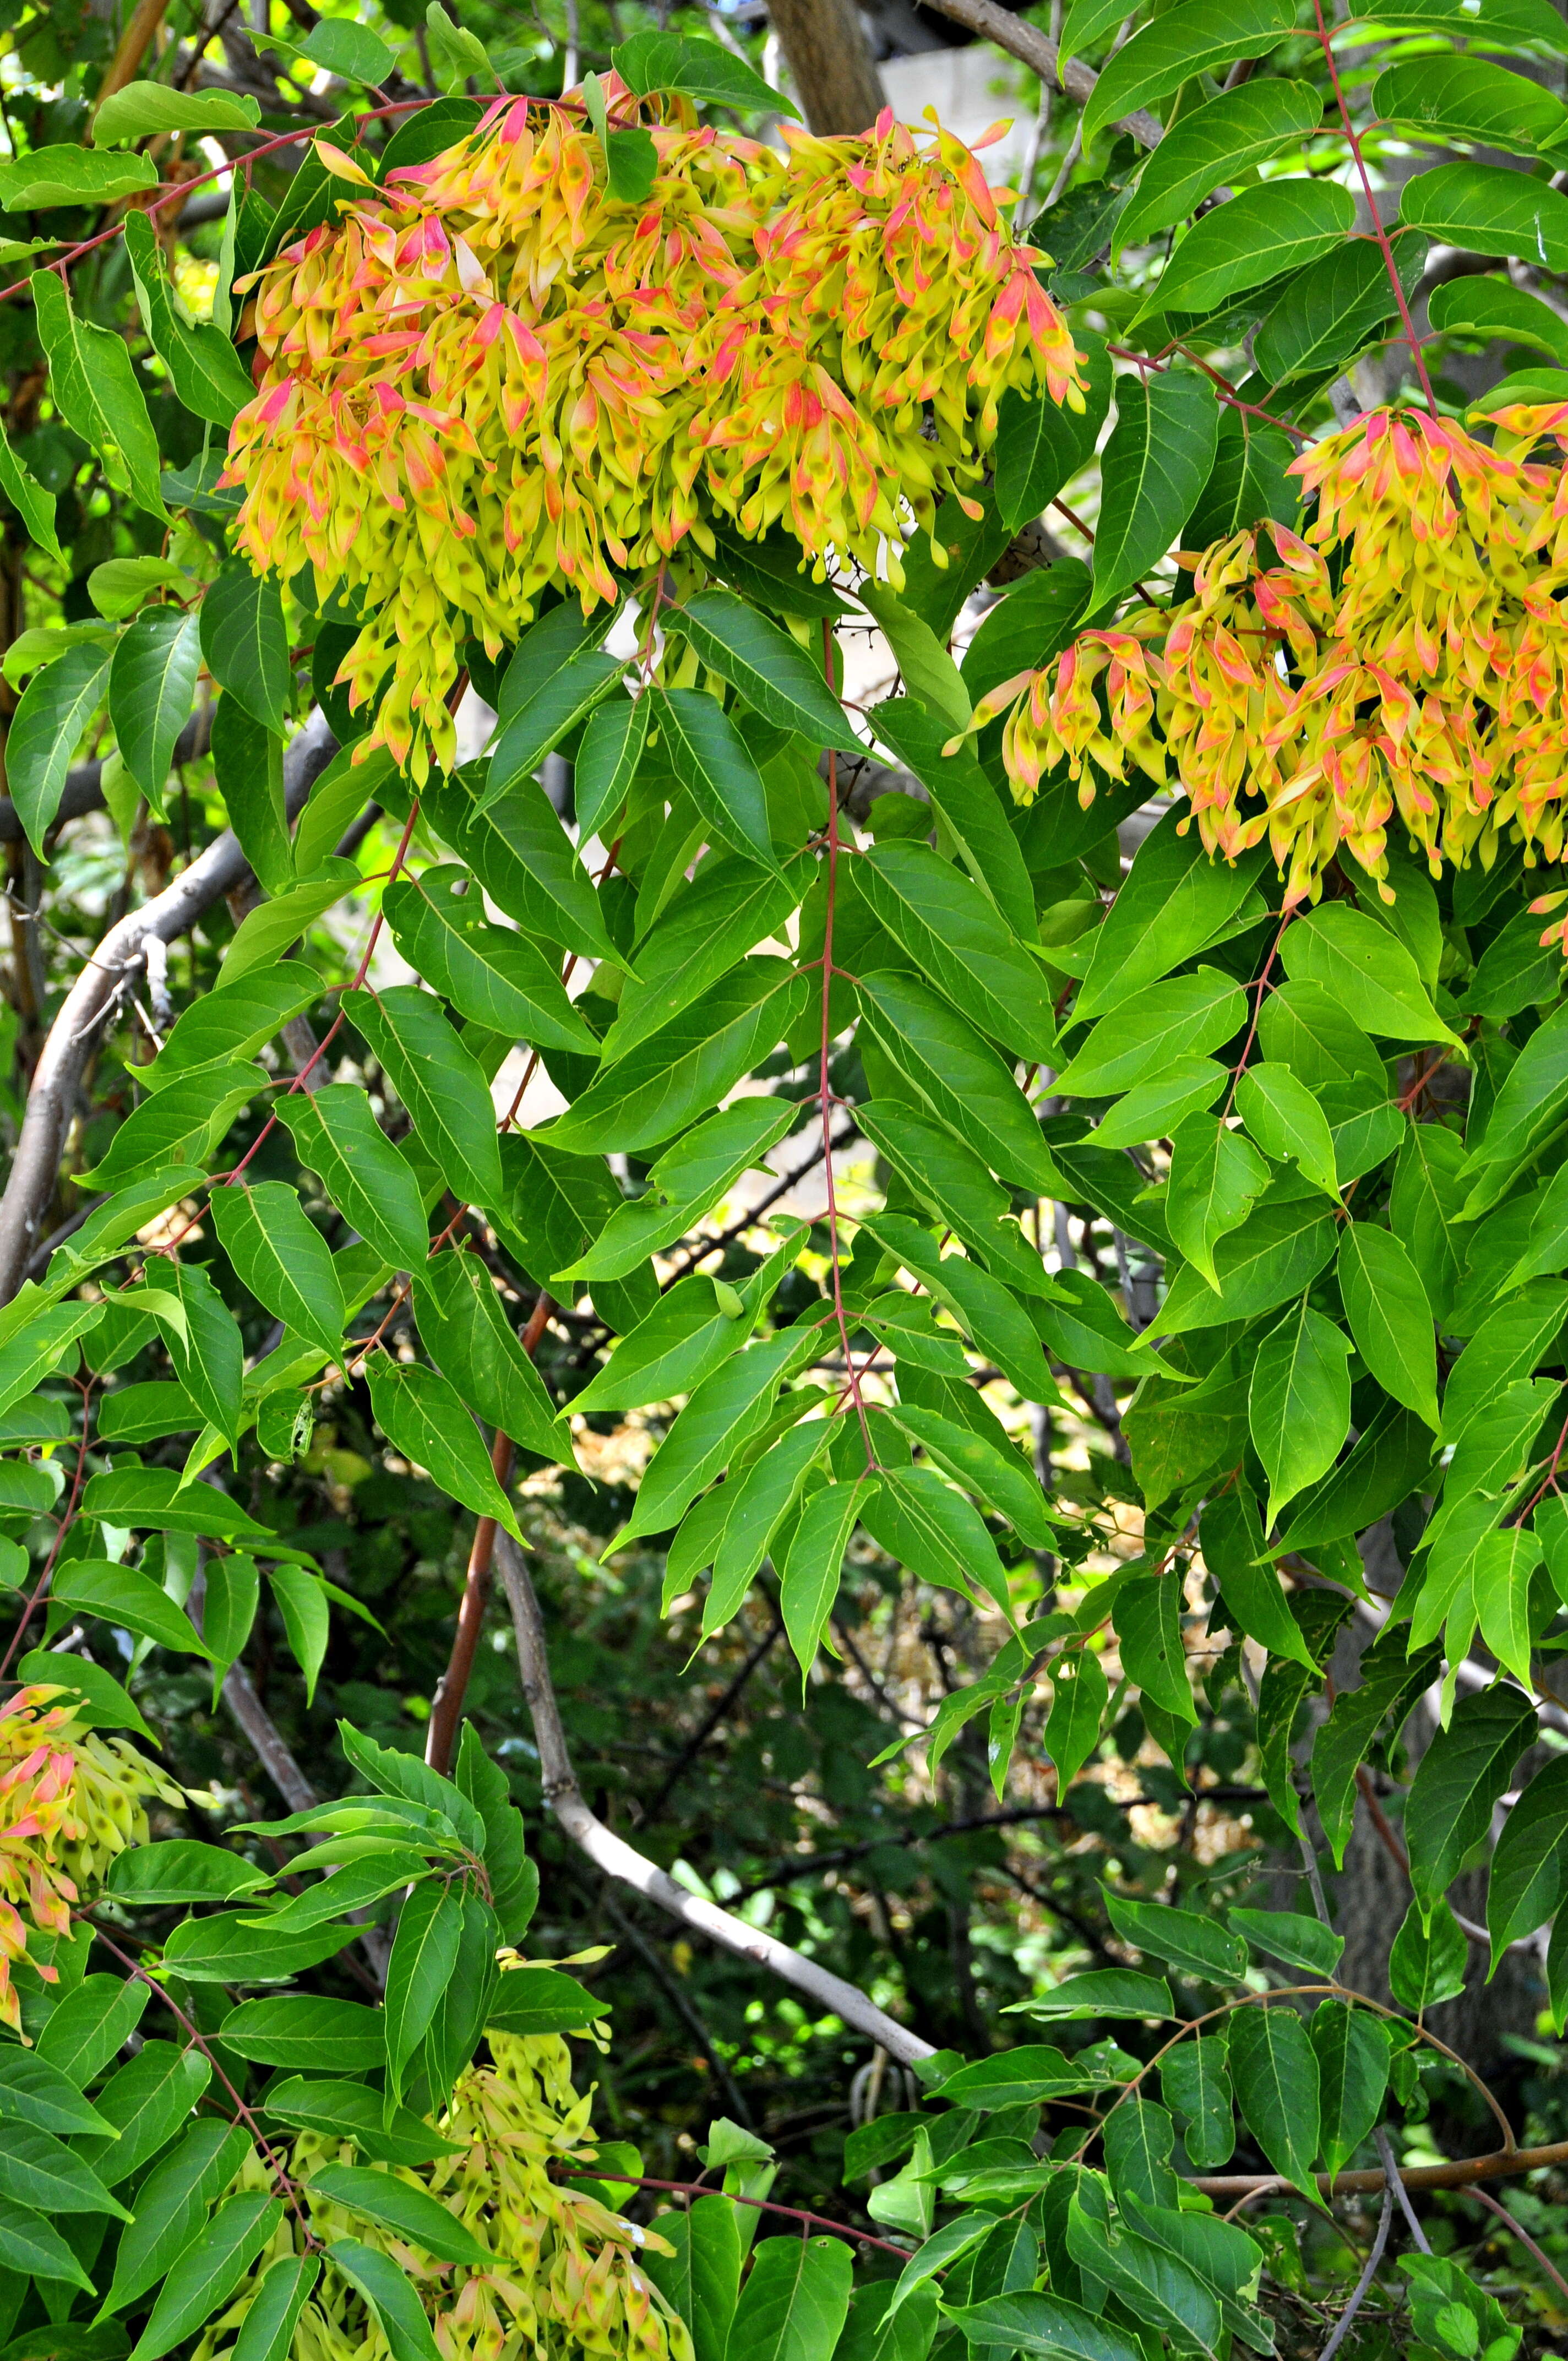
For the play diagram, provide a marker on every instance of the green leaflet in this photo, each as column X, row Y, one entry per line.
column 1298, row 1403
column 94, row 386
column 408, row 2211
column 1175, row 902
column 955, row 1073
column 949, row 928
column 182, row 1122
column 1278, row 2088
column 205, row 370
column 1211, row 145
column 439, row 1081
column 466, row 1327
column 497, row 977
column 1156, row 2286
column 759, row 1505
column 808, row 1580
column 958, row 1188
column 522, row 821
column 685, row 1338
column 1255, row 1603
column 1185, row 41
column 90, row 2024
column 337, row 1135
column 232, row 1023
column 1260, row 234
column 683, row 1185
column 1165, row 1021
column 1457, row 1783
column 728, row 909
column 1039, row 449
column 702, row 2276
column 1391, row 1680
column 245, row 644
column 268, row 2329
column 34, row 2092
column 1274, row 1255
column 723, row 1411
column 283, row 1258
column 966, row 802
column 207, row 2272
column 422, row 1417
column 559, row 701
column 122, row 1595
column 710, row 758
column 772, row 671
column 685, row 1067
column 935, row 1532
column 46, row 729
column 1288, row 1123
column 392, row 2298
column 424, row 1952
column 1146, row 1613
column 1216, row 1178
column 1160, row 451
column 1366, row 969
column 1195, row 2080
column 1526, row 1883
column 795, row 2300
column 143, row 2102
column 1489, row 210
column 995, row 1323
column 1351, row 2047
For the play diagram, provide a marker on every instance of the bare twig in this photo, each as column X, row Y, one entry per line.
column 1385, row 2148
column 1359, row 2291
column 621, row 1860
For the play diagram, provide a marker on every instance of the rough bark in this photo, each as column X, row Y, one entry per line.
column 831, row 63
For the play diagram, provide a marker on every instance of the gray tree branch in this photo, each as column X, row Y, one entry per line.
column 623, row 1863
column 1026, row 42
column 97, row 992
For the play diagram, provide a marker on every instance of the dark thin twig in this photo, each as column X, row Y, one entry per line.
column 734, row 2098
column 1523, row 2235
column 711, row 1719
column 1359, row 2292
column 786, row 1871
column 701, row 1248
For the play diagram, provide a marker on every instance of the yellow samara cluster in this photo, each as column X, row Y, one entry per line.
column 1404, row 661
column 70, row 1800
column 566, row 2281
column 491, row 376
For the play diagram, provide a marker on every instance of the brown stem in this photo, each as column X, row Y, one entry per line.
column 1523, row 2236
column 762, row 2204
column 1462, row 2172
column 446, row 1713
column 134, row 44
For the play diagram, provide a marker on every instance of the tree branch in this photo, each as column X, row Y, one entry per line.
column 1023, row 40
column 1460, row 2172
column 618, row 1859
column 96, row 994
column 84, row 782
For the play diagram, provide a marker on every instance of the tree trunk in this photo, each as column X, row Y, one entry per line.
column 831, row 63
